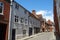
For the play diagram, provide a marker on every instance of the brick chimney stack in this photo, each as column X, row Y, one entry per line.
column 34, row 12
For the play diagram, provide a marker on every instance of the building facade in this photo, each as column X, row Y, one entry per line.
column 23, row 22
column 4, row 19
column 17, row 22
column 34, row 23
column 47, row 26
column 50, row 26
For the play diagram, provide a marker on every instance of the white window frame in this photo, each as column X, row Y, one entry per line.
column 16, row 18
column 26, row 21
column 22, row 20
column 2, row 9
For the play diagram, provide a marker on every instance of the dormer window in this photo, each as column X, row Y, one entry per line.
column 1, row 8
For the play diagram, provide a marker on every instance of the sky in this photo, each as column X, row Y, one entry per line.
column 44, row 7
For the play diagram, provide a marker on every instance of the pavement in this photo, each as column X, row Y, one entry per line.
column 41, row 36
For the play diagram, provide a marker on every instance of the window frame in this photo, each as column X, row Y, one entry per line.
column 26, row 21
column 22, row 20
column 16, row 18
column 2, row 8
column 16, row 6
column 24, row 32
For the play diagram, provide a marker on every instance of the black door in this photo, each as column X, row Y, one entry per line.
column 2, row 31
column 13, row 34
column 30, row 31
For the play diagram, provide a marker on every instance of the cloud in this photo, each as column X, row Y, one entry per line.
column 47, row 14
column 49, row 18
column 41, row 12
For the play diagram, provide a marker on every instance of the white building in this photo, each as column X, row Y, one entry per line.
column 34, row 23
column 23, row 22
column 19, row 21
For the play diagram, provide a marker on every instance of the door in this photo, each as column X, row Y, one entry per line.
column 13, row 34
column 2, row 31
column 30, row 31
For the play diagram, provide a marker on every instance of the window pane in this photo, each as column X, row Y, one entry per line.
column 1, row 7
column 21, row 20
column 25, row 11
column 25, row 20
column 16, row 18
column 17, row 6
column 24, row 31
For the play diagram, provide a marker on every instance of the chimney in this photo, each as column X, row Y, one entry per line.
column 40, row 15
column 49, row 22
column 33, row 12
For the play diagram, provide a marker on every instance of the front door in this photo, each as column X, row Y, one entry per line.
column 13, row 34
column 2, row 31
column 30, row 31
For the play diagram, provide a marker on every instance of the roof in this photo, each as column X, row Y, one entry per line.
column 21, row 6
column 32, row 15
column 49, row 22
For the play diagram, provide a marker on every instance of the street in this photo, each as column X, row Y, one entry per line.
column 42, row 36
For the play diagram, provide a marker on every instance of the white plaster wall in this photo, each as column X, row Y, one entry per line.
column 35, row 23
column 22, row 26
column 19, row 26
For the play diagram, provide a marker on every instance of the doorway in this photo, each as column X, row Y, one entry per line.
column 2, row 31
column 30, row 31
column 13, row 34
column 36, row 30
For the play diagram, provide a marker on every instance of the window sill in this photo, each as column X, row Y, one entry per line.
column 1, row 14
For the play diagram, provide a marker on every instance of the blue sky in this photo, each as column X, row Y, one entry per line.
column 44, row 7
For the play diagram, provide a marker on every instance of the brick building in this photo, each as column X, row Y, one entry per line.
column 47, row 26
column 4, row 19
column 50, row 26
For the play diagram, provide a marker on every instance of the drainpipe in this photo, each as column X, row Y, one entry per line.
column 10, row 30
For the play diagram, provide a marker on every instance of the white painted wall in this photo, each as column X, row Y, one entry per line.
column 31, row 22
column 19, row 26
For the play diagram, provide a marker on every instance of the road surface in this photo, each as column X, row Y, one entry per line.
column 42, row 36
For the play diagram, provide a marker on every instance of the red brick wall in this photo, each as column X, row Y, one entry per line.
column 5, row 16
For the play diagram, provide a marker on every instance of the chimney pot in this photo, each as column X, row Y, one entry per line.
column 33, row 12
